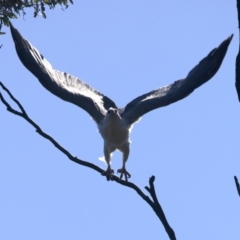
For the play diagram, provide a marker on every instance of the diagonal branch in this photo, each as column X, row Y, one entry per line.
column 154, row 204
column 237, row 185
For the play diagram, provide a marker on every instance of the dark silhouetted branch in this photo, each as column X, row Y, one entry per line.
column 237, row 82
column 237, row 185
column 154, row 203
column 158, row 209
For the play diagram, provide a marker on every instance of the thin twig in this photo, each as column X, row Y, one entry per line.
column 153, row 203
column 237, row 185
column 13, row 98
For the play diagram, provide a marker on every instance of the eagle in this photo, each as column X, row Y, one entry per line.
column 114, row 123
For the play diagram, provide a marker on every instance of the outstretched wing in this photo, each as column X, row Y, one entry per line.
column 61, row 84
column 180, row 89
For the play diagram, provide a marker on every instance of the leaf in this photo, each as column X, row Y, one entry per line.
column 44, row 15
column 12, row 15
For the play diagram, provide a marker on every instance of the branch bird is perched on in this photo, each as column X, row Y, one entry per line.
column 114, row 124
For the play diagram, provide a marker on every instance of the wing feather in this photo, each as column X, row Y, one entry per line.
column 180, row 89
column 63, row 85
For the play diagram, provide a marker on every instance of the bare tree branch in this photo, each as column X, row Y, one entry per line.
column 159, row 210
column 237, row 185
column 237, row 82
column 154, row 203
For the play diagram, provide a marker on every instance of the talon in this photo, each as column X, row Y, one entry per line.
column 108, row 173
column 124, row 172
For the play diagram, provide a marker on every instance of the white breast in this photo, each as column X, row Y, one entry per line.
column 114, row 130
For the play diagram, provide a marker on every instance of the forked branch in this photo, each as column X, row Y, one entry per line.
column 154, row 203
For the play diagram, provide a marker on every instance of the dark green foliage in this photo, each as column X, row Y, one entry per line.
column 10, row 9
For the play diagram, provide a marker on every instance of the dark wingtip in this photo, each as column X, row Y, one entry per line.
column 15, row 33
column 13, row 30
column 230, row 38
column 17, row 37
column 227, row 41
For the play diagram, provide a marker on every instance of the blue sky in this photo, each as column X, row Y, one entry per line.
column 123, row 49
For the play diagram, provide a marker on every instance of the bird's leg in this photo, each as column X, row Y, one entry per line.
column 108, row 173
column 125, row 151
column 107, row 154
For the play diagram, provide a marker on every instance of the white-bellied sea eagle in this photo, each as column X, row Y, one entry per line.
column 114, row 124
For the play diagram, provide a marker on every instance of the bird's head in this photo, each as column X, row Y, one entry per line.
column 113, row 112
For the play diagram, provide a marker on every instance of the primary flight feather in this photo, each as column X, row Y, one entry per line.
column 114, row 124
